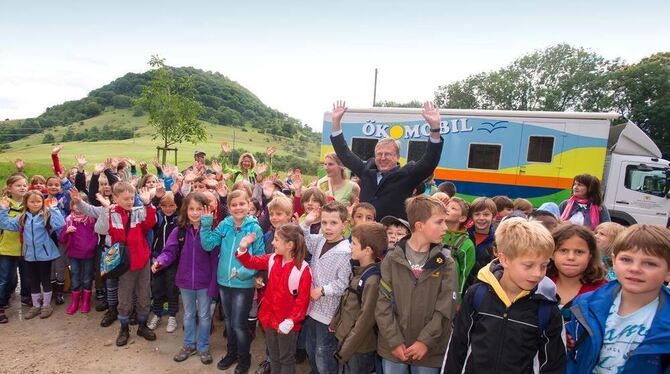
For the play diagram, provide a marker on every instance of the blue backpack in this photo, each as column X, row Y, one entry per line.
column 543, row 311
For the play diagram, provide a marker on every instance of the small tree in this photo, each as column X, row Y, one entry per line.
column 172, row 107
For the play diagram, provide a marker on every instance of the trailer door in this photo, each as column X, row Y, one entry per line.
column 540, row 150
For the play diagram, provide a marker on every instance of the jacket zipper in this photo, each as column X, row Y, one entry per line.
column 230, row 258
column 502, row 338
column 192, row 261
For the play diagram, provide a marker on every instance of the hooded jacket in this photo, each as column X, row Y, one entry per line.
column 194, row 269
column 10, row 243
column 354, row 321
column 419, row 308
column 113, row 223
column 278, row 303
column 502, row 335
column 465, row 255
column 228, row 237
column 483, row 251
column 82, row 243
column 591, row 310
column 330, row 271
column 37, row 242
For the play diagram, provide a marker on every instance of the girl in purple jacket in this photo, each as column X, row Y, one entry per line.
column 194, row 277
column 80, row 241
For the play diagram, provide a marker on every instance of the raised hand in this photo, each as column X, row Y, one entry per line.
column 102, row 200
column 143, row 165
column 20, row 164
column 57, row 148
column 145, row 195
column 114, row 162
column 225, row 148
column 75, row 197
column 70, row 229
column 339, row 108
column 431, row 114
column 246, row 242
column 160, row 189
column 261, row 168
column 216, row 166
column 222, row 189
column 130, row 161
column 98, row 168
column 156, row 163
column 270, row 151
column 297, row 183
column 312, row 217
column 167, row 170
column 207, row 211
column 189, row 176
column 109, row 164
column 81, row 161
column 4, row 203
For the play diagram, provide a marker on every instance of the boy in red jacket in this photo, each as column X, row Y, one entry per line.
column 115, row 223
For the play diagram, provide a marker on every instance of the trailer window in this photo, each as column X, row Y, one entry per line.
column 415, row 150
column 646, row 179
column 363, row 147
column 484, row 156
column 540, row 149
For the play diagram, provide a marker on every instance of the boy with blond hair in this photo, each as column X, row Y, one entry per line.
column 417, row 293
column 622, row 327
column 510, row 322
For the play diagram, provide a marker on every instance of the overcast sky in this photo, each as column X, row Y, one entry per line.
column 300, row 56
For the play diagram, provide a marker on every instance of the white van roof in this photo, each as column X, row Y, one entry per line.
column 491, row 113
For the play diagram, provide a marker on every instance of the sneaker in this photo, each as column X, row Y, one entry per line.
column 46, row 311
column 153, row 322
column 3, row 316
column 32, row 312
column 110, row 316
column 172, row 324
column 227, row 361
column 205, row 357
column 143, row 331
column 264, row 367
column 101, row 306
column 184, row 353
column 243, row 364
column 26, row 301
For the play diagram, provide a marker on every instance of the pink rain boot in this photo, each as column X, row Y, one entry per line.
column 86, row 301
column 74, row 303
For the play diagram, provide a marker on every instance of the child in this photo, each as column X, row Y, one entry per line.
column 312, row 199
column 504, row 207
column 354, row 321
column 163, row 288
column 193, row 277
column 362, row 213
column 10, row 248
column 447, row 187
column 418, row 293
column 585, row 205
column 482, row 232
column 39, row 249
column 510, row 322
column 38, row 183
column 546, row 218
column 396, row 229
column 129, row 225
column 459, row 243
column 523, row 205
column 58, row 197
column 606, row 233
column 80, row 241
column 287, row 294
column 576, row 267
column 236, row 281
column 331, row 269
column 622, row 327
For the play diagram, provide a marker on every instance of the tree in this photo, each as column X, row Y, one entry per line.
column 558, row 78
column 48, row 138
column 642, row 94
column 173, row 110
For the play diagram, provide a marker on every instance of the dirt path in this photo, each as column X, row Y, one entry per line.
column 77, row 344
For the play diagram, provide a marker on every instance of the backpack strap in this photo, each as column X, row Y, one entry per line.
column 294, row 277
column 480, row 292
column 372, row 270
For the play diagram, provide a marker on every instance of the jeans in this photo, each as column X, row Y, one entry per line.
column 236, row 304
column 321, row 347
column 196, row 301
column 81, row 274
column 391, row 367
column 360, row 363
column 281, row 348
column 8, row 265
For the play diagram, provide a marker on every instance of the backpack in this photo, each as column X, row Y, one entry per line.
column 294, row 278
column 115, row 259
column 453, row 247
column 360, row 286
column 47, row 225
column 543, row 311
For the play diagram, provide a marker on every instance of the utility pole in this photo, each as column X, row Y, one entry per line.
column 374, row 93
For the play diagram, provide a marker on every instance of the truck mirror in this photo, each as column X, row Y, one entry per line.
column 644, row 167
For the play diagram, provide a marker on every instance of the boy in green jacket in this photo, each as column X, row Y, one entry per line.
column 458, row 241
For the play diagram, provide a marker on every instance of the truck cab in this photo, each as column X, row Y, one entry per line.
column 636, row 178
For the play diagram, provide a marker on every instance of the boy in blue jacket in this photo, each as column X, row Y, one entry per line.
column 624, row 326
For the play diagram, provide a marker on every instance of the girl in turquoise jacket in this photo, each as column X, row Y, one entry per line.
column 237, row 282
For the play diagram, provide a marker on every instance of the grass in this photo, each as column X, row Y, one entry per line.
column 142, row 148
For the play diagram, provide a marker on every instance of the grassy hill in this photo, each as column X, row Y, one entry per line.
column 142, row 147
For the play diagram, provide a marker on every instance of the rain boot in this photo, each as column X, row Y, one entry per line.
column 86, row 301
column 74, row 303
